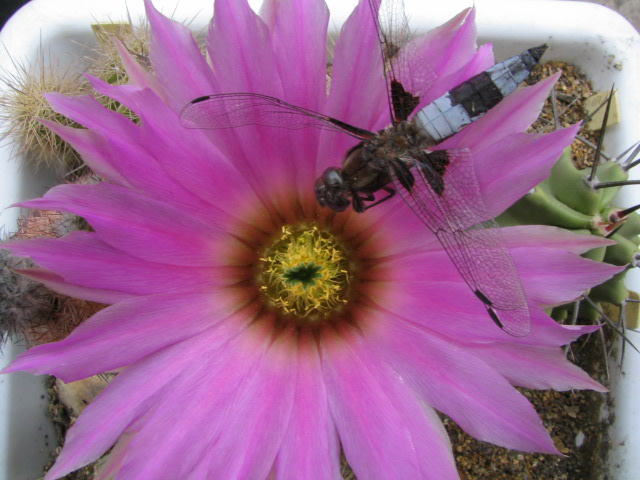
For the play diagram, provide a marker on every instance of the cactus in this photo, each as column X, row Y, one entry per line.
column 23, row 105
column 583, row 200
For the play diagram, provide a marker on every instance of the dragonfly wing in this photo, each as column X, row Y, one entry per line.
column 443, row 191
column 231, row 110
column 409, row 74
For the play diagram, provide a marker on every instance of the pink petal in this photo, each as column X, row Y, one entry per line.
column 553, row 277
column 128, row 332
column 545, row 236
column 57, row 284
column 439, row 299
column 82, row 259
column 385, row 432
column 510, row 168
column 551, row 333
column 479, row 62
column 356, row 61
column 185, row 75
column 273, row 385
column 512, row 115
column 459, row 384
column 540, row 255
column 535, row 249
column 452, row 310
column 87, row 111
column 133, row 394
column 93, row 148
column 450, row 46
column 301, row 24
column 241, row 51
column 245, row 389
column 310, row 448
column 437, row 54
column 299, row 38
column 122, row 148
column 184, row 240
column 186, row 155
column 534, row 367
column 177, row 61
column 137, row 74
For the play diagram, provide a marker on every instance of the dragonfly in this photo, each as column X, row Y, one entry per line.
column 439, row 185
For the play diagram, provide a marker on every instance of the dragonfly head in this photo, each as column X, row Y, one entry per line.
column 331, row 190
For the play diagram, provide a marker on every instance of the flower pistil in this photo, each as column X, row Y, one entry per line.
column 305, row 273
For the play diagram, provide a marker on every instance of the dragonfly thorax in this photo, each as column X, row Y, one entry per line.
column 397, row 141
column 365, row 168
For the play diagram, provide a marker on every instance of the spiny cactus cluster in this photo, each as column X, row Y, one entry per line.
column 583, row 200
column 24, row 305
column 23, row 105
column 29, row 311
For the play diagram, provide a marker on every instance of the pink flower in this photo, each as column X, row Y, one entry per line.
column 256, row 332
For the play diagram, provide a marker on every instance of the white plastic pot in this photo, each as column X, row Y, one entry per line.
column 590, row 36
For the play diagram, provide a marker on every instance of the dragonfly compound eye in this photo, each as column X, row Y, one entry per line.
column 330, row 190
column 332, row 178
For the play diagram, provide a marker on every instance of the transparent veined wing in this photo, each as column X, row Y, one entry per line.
column 409, row 74
column 442, row 189
column 231, row 110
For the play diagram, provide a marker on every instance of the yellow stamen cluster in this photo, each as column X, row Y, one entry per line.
column 305, row 273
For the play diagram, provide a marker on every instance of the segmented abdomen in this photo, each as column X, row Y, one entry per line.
column 471, row 99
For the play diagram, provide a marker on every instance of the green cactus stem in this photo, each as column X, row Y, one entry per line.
column 567, row 199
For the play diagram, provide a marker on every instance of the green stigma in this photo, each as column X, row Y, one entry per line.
column 305, row 273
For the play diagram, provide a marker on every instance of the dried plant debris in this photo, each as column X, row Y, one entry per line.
column 75, row 396
column 23, row 105
column 67, row 314
column 345, row 470
column 66, row 402
column 593, row 108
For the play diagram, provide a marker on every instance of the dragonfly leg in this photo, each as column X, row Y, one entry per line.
column 403, row 174
column 390, row 193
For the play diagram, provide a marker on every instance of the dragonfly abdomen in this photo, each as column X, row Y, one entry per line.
column 471, row 99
